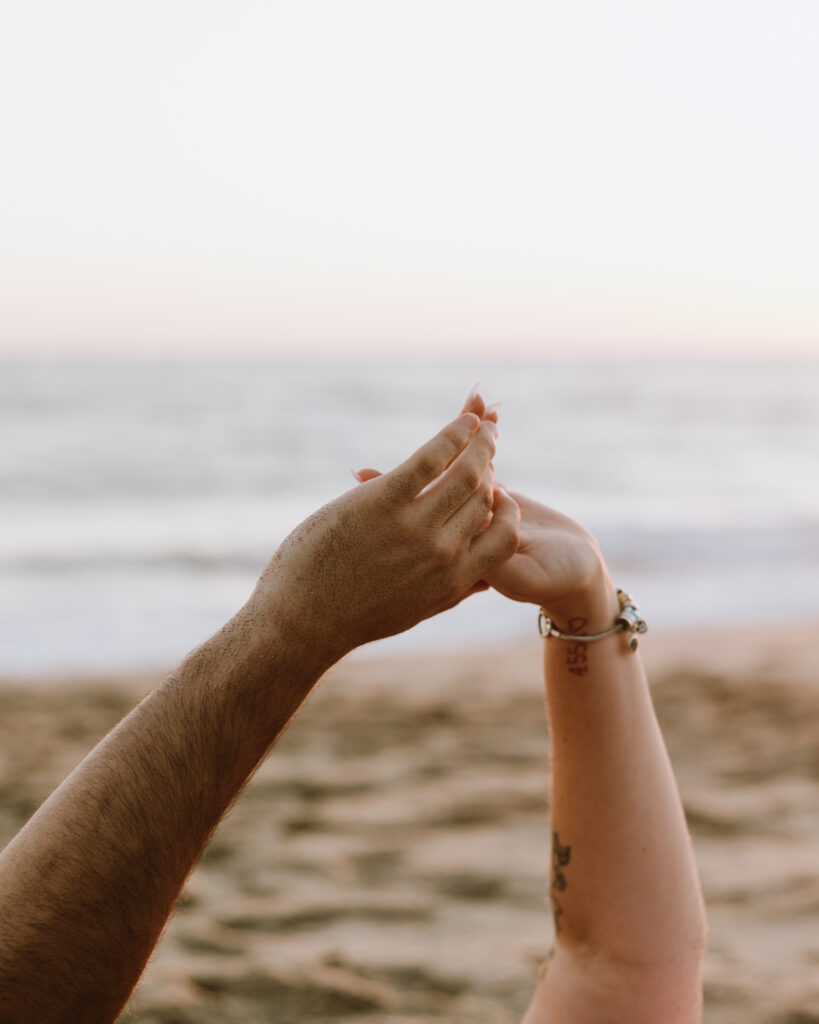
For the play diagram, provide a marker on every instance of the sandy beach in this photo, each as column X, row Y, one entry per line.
column 389, row 861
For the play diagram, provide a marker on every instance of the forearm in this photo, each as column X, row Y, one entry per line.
column 88, row 884
column 624, row 882
column 86, row 887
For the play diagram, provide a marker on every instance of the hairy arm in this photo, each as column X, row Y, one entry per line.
column 87, row 885
column 629, row 918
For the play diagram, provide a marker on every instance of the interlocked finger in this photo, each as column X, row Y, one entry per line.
column 499, row 540
column 433, row 458
column 473, row 514
column 464, row 476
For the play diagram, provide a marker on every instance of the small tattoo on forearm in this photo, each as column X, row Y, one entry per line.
column 577, row 654
column 561, row 855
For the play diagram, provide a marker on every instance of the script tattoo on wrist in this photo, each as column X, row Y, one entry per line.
column 577, row 654
column 561, row 855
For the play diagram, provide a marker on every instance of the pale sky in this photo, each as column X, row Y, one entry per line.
column 296, row 177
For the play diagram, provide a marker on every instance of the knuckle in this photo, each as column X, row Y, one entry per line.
column 471, row 479
column 443, row 550
column 482, row 452
column 452, row 440
column 490, row 442
column 504, row 543
column 416, row 535
column 392, row 490
column 487, row 436
column 425, row 464
column 508, row 539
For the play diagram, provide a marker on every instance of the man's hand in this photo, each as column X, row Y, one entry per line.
column 397, row 549
column 115, row 842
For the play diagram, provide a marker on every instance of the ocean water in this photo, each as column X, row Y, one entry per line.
column 138, row 503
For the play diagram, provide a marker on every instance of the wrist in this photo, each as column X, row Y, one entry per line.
column 238, row 690
column 591, row 609
column 292, row 636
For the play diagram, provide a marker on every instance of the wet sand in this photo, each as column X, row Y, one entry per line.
column 388, row 863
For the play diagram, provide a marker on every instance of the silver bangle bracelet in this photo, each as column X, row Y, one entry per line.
column 628, row 621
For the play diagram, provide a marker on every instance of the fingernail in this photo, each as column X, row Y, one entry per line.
column 492, row 408
column 355, row 473
column 473, row 393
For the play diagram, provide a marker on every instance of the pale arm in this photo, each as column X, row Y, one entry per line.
column 87, row 885
column 629, row 918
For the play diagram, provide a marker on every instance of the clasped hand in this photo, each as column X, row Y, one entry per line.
column 407, row 544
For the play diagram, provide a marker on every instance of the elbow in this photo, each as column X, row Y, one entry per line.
column 656, row 947
column 646, row 983
column 668, row 986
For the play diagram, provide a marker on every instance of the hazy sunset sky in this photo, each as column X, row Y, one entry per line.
column 354, row 176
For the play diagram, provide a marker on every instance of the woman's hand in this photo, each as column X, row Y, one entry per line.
column 558, row 566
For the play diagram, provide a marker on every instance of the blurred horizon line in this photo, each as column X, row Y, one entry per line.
column 612, row 356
